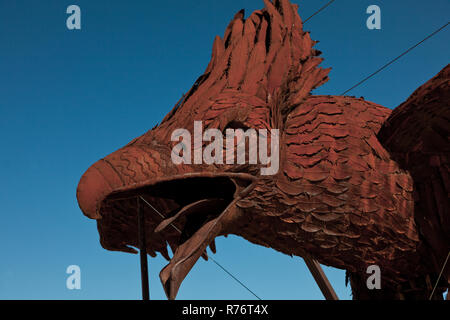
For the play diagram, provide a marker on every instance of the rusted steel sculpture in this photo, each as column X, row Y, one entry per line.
column 358, row 184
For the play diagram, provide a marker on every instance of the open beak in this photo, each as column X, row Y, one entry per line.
column 194, row 246
column 186, row 211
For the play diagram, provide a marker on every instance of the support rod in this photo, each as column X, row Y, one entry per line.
column 321, row 279
column 143, row 252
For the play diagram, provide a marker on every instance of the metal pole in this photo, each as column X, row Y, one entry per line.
column 321, row 279
column 143, row 252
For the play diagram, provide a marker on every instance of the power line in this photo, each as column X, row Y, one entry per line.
column 440, row 275
column 317, row 12
column 217, row 263
column 397, row 58
column 237, row 280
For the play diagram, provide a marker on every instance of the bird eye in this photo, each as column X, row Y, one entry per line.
column 235, row 125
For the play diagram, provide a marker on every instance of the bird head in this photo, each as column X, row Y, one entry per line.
column 222, row 142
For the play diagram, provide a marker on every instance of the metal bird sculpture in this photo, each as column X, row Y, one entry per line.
column 358, row 184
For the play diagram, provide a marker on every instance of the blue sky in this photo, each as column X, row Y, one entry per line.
column 68, row 98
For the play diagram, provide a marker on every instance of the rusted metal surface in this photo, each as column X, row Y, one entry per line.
column 321, row 279
column 358, row 184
